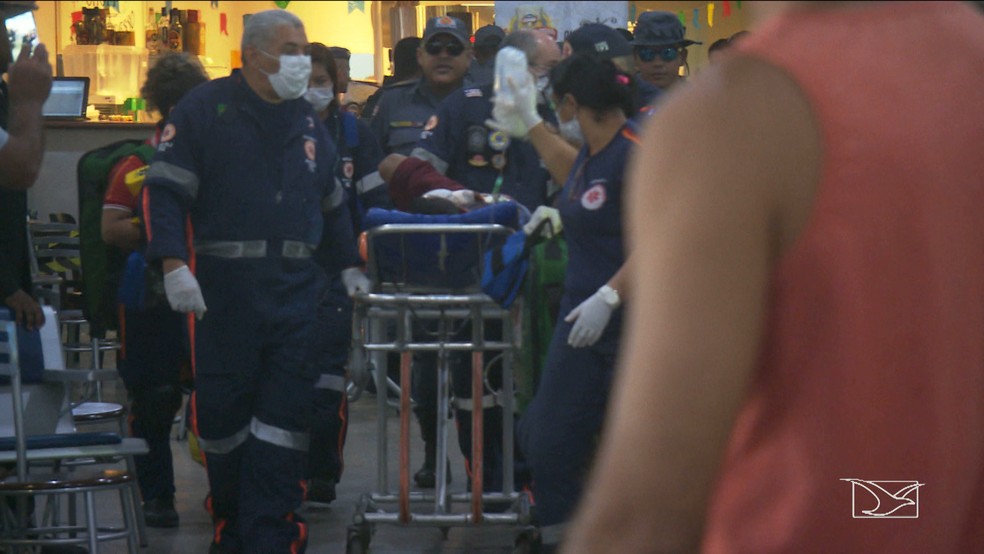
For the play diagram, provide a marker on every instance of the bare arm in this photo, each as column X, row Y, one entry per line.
column 722, row 183
column 119, row 229
column 29, row 85
column 557, row 154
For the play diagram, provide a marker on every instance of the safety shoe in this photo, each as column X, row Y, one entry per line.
column 160, row 512
column 320, row 492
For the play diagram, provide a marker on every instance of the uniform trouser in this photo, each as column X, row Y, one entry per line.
column 154, row 349
column 254, row 388
column 330, row 423
column 425, row 397
column 559, row 431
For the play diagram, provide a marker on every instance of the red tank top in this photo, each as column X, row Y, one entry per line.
column 873, row 360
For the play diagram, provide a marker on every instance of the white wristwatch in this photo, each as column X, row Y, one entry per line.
column 610, row 296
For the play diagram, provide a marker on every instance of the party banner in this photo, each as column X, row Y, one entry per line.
column 561, row 18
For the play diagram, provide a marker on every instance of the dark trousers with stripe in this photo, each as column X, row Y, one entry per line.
column 254, row 390
column 330, row 423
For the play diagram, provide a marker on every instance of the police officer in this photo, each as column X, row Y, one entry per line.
column 238, row 197
column 458, row 143
column 444, row 54
column 355, row 172
column 660, row 48
column 559, row 429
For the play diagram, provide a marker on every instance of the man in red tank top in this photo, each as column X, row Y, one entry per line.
column 804, row 365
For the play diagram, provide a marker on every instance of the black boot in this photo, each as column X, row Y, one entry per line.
column 160, row 512
column 426, row 476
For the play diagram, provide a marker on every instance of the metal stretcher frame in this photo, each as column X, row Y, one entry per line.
column 402, row 304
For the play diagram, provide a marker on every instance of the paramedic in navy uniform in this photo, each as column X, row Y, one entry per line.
column 355, row 172
column 237, row 199
column 560, row 427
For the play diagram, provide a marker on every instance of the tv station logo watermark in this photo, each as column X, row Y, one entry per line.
column 884, row 499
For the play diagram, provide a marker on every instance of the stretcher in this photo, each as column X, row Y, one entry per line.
column 427, row 273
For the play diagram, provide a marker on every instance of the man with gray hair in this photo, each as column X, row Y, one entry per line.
column 238, row 197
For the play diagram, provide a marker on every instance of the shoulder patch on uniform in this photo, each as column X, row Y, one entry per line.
column 134, row 180
column 473, row 93
column 431, row 123
column 168, row 133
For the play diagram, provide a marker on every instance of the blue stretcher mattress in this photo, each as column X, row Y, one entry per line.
column 444, row 261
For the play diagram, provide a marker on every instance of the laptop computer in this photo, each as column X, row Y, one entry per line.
column 68, row 99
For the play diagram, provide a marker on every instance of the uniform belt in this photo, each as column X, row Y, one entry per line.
column 251, row 248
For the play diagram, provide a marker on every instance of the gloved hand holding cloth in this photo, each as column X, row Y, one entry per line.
column 183, row 293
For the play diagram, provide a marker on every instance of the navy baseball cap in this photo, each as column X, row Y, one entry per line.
column 660, row 29
column 600, row 40
column 446, row 25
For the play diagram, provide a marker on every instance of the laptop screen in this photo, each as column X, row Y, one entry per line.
column 68, row 99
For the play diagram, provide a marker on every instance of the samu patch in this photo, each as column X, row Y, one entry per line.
column 594, row 198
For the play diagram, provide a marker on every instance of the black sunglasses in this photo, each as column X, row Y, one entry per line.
column 452, row 47
column 649, row 53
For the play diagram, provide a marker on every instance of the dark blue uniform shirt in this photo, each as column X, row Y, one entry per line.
column 458, row 143
column 401, row 114
column 244, row 169
column 590, row 206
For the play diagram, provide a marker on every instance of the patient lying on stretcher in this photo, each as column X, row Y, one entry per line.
column 415, row 186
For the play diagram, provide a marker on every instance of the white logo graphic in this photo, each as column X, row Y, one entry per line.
column 887, row 499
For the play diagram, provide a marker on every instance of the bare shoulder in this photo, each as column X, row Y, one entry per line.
column 741, row 131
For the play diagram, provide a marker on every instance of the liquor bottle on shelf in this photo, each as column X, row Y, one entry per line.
column 175, row 33
column 153, row 39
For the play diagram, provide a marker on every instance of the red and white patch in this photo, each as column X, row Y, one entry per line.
column 348, row 169
column 168, row 133
column 309, row 149
column 594, row 197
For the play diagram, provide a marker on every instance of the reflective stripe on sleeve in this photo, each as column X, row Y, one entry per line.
column 422, row 154
column 187, row 181
column 335, row 199
column 369, row 182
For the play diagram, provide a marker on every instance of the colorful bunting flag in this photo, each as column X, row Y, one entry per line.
column 352, row 6
column 727, row 8
column 710, row 15
column 696, row 18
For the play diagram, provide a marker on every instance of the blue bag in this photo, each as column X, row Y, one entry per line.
column 506, row 265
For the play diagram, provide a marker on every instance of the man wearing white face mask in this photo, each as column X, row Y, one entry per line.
column 237, row 199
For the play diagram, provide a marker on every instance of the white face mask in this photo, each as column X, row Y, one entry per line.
column 292, row 79
column 320, row 97
column 571, row 131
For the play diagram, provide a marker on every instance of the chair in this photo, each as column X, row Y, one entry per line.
column 38, row 440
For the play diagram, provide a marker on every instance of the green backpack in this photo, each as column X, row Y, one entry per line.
column 102, row 264
column 542, row 291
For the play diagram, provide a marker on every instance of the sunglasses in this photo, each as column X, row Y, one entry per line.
column 649, row 53
column 452, row 47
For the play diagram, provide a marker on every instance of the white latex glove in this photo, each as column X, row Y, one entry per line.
column 183, row 293
column 355, row 281
column 590, row 318
column 514, row 103
column 542, row 213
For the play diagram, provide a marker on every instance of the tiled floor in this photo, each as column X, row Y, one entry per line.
column 328, row 527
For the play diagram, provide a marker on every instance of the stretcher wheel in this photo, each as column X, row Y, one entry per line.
column 527, row 541
column 357, row 541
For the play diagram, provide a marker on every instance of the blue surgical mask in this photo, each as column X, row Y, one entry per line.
column 292, row 80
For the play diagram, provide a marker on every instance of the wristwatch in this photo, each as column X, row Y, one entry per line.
column 610, row 296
